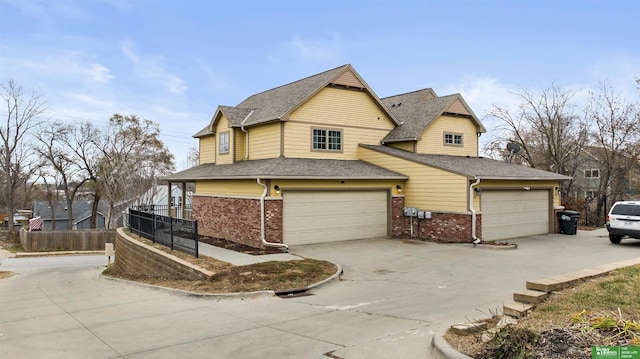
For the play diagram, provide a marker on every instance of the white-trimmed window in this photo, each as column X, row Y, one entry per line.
column 326, row 139
column 591, row 194
column 452, row 139
column 592, row 173
column 224, row 142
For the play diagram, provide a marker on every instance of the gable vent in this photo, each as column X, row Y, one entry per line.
column 347, row 78
column 459, row 108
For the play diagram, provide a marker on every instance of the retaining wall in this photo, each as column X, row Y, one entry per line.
column 135, row 257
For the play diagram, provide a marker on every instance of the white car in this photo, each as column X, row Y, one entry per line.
column 624, row 220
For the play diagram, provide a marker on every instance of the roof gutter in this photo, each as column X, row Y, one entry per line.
column 262, row 220
column 476, row 240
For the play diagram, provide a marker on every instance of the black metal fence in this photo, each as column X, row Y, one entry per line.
column 175, row 233
column 165, row 210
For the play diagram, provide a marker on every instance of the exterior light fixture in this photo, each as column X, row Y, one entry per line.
column 399, row 188
column 277, row 188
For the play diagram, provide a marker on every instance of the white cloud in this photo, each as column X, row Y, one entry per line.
column 150, row 67
column 215, row 81
column 483, row 92
column 83, row 99
column 61, row 64
column 315, row 49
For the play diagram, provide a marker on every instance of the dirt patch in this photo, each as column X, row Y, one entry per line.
column 5, row 274
column 272, row 275
column 227, row 244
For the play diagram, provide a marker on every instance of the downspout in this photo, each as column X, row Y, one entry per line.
column 476, row 240
column 246, row 144
column 262, row 231
column 246, row 138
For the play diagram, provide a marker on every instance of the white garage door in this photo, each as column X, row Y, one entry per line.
column 329, row 216
column 512, row 214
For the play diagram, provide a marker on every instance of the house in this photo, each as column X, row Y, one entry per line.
column 623, row 179
column 158, row 197
column 81, row 214
column 325, row 159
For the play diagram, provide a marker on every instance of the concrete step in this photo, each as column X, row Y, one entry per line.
column 517, row 309
column 530, row 296
column 468, row 328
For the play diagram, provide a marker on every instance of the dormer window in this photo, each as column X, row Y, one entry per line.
column 224, row 142
column 452, row 139
column 326, row 139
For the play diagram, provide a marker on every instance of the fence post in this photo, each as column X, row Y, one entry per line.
column 171, row 230
column 195, row 236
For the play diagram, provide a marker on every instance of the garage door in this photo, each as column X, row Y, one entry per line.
column 512, row 214
column 329, row 216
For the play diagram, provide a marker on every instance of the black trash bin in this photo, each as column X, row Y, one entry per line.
column 568, row 221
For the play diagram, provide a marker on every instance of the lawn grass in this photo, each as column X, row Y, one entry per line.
column 602, row 311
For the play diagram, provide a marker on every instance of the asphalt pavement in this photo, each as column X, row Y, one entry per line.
column 394, row 296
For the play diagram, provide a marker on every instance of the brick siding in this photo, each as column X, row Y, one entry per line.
column 238, row 219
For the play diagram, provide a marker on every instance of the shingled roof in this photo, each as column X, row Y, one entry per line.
column 276, row 104
column 472, row 167
column 418, row 109
column 291, row 168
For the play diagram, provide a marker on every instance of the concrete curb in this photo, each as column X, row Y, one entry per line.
column 60, row 253
column 440, row 348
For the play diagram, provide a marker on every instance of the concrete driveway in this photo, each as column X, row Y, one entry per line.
column 394, row 295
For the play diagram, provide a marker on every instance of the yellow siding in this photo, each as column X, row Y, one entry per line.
column 407, row 146
column 223, row 126
column 432, row 141
column 242, row 188
column 264, row 141
column 240, row 144
column 351, row 111
column 207, row 149
column 428, row 188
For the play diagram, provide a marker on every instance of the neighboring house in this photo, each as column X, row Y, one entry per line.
column 81, row 214
column 158, row 196
column 324, row 159
column 622, row 182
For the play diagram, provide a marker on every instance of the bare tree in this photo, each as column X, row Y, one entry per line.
column 546, row 127
column 53, row 141
column 133, row 156
column 16, row 161
column 193, row 159
column 85, row 156
column 616, row 133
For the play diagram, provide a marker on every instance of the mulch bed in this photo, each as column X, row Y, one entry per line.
column 238, row 247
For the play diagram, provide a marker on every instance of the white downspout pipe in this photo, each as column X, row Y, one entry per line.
column 246, row 145
column 246, row 138
column 262, row 231
column 476, row 240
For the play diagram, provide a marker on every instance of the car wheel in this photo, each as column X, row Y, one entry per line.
column 615, row 239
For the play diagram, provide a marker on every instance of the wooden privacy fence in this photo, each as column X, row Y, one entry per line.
column 79, row 240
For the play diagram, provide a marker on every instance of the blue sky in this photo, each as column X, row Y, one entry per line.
column 174, row 62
